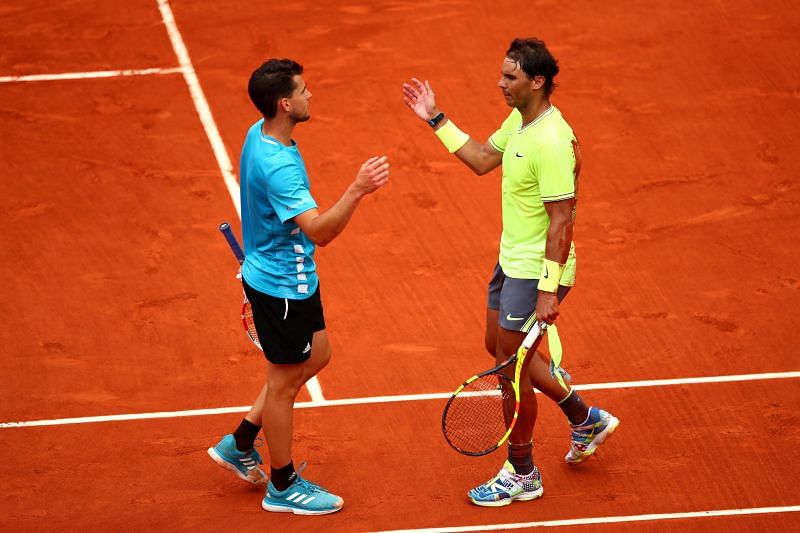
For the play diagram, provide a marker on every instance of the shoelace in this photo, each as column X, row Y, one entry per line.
column 308, row 485
column 502, row 475
column 584, row 434
column 507, row 481
column 258, row 443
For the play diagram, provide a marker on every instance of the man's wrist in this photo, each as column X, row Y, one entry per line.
column 435, row 119
column 450, row 136
column 356, row 191
column 551, row 275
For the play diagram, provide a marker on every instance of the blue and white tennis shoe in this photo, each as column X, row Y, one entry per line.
column 243, row 464
column 301, row 497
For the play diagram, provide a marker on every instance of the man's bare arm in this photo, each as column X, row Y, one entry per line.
column 322, row 228
column 559, row 240
column 559, row 234
column 480, row 158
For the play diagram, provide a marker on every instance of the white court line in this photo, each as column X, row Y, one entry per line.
column 392, row 399
column 200, row 103
column 90, row 75
column 207, row 119
column 606, row 520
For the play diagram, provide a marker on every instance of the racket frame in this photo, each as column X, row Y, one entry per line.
column 531, row 340
column 247, row 308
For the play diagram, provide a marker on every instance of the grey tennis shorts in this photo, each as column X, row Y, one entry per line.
column 515, row 299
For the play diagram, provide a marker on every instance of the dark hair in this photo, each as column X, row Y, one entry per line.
column 272, row 81
column 535, row 60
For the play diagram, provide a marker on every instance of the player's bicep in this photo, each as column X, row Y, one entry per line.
column 560, row 211
column 306, row 220
column 492, row 155
column 481, row 158
column 489, row 157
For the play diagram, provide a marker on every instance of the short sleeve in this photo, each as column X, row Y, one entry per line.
column 499, row 139
column 288, row 192
column 555, row 169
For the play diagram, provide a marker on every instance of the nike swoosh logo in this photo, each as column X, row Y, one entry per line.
column 546, row 273
column 509, row 317
column 519, row 154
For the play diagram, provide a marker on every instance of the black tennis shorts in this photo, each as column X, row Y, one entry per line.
column 286, row 327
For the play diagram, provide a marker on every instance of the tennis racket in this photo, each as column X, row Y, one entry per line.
column 482, row 412
column 247, row 310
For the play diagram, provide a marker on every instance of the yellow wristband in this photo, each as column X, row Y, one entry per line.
column 551, row 275
column 452, row 138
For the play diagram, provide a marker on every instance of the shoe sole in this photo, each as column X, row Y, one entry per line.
column 598, row 440
column 277, row 508
column 227, row 466
column 524, row 497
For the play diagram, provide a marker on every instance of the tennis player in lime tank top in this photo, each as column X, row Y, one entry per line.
column 541, row 161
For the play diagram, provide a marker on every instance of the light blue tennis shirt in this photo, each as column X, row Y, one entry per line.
column 279, row 258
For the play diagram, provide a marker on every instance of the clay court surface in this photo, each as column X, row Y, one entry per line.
column 123, row 358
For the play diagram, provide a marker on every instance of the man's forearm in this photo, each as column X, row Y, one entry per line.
column 559, row 239
column 328, row 225
column 470, row 152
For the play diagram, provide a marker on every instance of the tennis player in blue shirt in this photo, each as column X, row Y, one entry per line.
column 281, row 227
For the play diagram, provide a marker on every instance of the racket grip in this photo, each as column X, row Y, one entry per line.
column 536, row 331
column 227, row 232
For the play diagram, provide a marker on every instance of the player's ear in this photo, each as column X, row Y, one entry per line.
column 537, row 82
column 285, row 104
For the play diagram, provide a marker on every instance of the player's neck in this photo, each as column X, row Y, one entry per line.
column 280, row 128
column 534, row 109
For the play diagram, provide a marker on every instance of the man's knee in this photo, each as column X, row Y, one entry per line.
column 284, row 381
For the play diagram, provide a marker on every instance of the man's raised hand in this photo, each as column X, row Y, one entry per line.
column 420, row 99
column 372, row 175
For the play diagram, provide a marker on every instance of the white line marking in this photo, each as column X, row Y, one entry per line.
column 200, row 102
column 689, row 381
column 315, row 390
column 90, row 75
column 392, row 399
column 606, row 520
column 210, row 126
column 120, row 418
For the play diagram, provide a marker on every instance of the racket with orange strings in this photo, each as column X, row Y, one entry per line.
column 247, row 310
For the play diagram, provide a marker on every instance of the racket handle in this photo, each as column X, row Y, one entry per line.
column 226, row 230
column 536, row 331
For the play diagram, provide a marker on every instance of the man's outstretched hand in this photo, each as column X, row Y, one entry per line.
column 420, row 99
